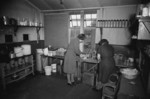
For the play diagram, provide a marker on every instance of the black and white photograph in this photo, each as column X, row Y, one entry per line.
column 74, row 49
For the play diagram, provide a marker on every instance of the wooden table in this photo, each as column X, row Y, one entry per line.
column 84, row 64
column 53, row 59
column 89, row 71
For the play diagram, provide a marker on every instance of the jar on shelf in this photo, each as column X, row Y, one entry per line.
column 140, row 9
column 145, row 11
column 148, row 9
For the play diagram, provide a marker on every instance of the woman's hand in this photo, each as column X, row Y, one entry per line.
column 98, row 56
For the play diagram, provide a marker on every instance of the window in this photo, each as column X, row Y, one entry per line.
column 75, row 20
column 25, row 37
column 90, row 20
column 8, row 38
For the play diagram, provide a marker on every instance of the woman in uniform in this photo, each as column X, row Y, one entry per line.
column 72, row 53
column 107, row 63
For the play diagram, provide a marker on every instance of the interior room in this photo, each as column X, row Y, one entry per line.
column 36, row 45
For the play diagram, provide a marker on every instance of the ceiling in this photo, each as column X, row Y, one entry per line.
column 48, row 5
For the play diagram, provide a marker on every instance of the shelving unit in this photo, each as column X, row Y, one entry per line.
column 122, row 23
column 143, row 20
column 16, row 69
column 19, row 26
column 143, row 38
column 15, row 28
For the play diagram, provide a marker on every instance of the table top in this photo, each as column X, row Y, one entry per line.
column 56, row 56
column 89, row 60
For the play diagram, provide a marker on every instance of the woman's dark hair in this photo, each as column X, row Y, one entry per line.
column 103, row 41
column 81, row 36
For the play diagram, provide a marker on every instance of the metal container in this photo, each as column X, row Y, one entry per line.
column 4, row 20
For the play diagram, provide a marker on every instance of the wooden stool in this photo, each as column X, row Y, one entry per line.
column 109, row 89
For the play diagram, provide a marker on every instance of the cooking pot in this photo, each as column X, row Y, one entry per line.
column 4, row 20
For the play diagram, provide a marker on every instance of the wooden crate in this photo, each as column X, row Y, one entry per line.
column 88, row 78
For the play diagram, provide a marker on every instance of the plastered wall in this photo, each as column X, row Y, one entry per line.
column 116, row 36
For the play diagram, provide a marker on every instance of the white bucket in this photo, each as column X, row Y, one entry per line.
column 47, row 70
column 40, row 51
column 54, row 68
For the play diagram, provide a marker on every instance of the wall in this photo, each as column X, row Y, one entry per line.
column 56, row 30
column 117, row 36
column 21, row 9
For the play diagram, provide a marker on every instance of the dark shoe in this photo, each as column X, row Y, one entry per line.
column 70, row 84
column 73, row 83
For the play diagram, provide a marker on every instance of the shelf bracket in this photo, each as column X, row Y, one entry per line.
column 38, row 35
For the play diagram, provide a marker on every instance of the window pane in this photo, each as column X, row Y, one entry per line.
column 78, row 16
column 94, row 16
column 74, row 23
column 78, row 23
column 70, row 23
column 70, row 17
column 73, row 16
column 88, row 23
column 88, row 16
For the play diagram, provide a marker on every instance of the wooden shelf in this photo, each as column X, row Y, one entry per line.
column 19, row 26
column 17, row 72
column 144, row 19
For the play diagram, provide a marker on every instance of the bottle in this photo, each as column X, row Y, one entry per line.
column 120, row 23
column 111, row 23
column 145, row 11
column 117, row 23
column 139, row 9
column 148, row 9
column 99, row 23
column 108, row 23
